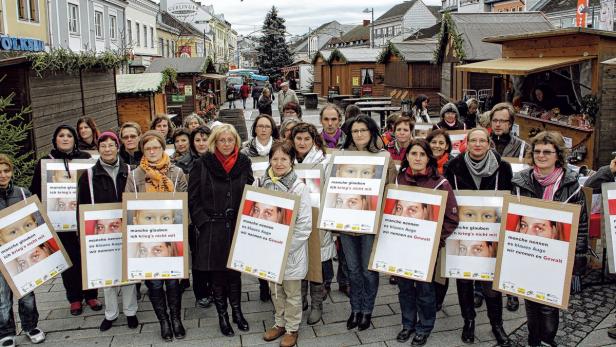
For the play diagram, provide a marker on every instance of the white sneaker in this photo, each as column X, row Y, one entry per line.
column 8, row 341
column 36, row 335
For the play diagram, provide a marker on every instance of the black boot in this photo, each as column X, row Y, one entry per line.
column 264, row 292
column 159, row 303
column 512, row 303
column 501, row 336
column 174, row 298
column 468, row 331
column 235, row 298
column 220, row 300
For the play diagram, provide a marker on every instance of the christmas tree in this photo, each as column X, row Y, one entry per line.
column 273, row 51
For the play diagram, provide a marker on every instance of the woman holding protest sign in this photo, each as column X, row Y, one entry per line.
column 549, row 179
column 28, row 314
column 480, row 168
column 364, row 136
column 440, row 144
column 65, row 148
column 287, row 297
column 418, row 299
column 156, row 173
column 108, row 180
column 308, row 146
column 216, row 184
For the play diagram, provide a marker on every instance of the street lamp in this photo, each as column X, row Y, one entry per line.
column 371, row 10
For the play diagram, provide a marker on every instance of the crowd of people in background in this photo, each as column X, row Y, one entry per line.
column 210, row 161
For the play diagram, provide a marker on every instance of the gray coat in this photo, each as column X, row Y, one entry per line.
column 514, row 147
column 13, row 195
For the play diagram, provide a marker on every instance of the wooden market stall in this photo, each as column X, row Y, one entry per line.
column 211, row 93
column 348, row 71
column 565, row 64
column 141, row 97
column 58, row 97
column 409, row 71
column 460, row 42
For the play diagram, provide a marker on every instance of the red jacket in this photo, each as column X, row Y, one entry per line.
column 245, row 91
column 451, row 220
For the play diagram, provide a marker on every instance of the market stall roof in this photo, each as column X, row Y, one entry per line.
column 609, row 61
column 355, row 55
column 417, row 50
column 181, row 65
column 521, row 66
column 549, row 33
column 139, row 83
column 213, row 76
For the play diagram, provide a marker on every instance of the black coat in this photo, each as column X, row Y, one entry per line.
column 35, row 185
column 132, row 160
column 214, row 199
column 457, row 172
column 104, row 190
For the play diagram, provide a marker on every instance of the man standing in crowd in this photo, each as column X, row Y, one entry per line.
column 331, row 118
column 285, row 95
column 501, row 121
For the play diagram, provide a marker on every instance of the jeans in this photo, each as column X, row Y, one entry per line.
column 71, row 278
column 364, row 283
column 542, row 323
column 129, row 301
column 28, row 314
column 466, row 296
column 418, row 305
column 441, row 291
column 244, row 102
column 342, row 277
column 231, row 104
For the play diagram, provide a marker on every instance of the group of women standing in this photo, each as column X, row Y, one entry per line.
column 213, row 166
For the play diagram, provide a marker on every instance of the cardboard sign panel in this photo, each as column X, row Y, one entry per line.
column 30, row 251
column 59, row 189
column 536, row 250
column 608, row 192
column 259, row 166
column 412, row 220
column 101, row 245
column 458, row 137
column 470, row 251
column 517, row 164
column 155, row 236
column 263, row 233
column 352, row 196
column 422, row 130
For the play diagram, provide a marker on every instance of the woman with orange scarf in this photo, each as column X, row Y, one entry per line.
column 156, row 173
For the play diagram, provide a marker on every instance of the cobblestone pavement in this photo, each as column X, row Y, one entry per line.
column 585, row 324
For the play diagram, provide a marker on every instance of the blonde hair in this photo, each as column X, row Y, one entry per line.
column 217, row 131
column 4, row 159
column 130, row 124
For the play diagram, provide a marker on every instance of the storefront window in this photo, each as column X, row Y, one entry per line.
column 98, row 24
column 73, row 19
column 367, row 76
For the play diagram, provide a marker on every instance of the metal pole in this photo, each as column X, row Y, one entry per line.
column 372, row 28
column 204, row 53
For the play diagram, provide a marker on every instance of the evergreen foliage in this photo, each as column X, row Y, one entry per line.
column 273, row 52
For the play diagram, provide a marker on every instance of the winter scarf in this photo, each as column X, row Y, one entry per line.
column 227, row 162
column 485, row 167
column 156, row 179
column 550, row 183
column 441, row 163
column 314, row 156
column 111, row 169
column 332, row 141
column 264, row 150
column 282, row 184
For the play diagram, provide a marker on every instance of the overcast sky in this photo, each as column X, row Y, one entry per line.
column 248, row 15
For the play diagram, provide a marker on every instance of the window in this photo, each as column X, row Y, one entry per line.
column 151, row 37
column 161, row 47
column 129, row 32
column 137, row 34
column 73, row 19
column 145, row 36
column 367, row 76
column 98, row 24
column 27, row 10
column 113, row 26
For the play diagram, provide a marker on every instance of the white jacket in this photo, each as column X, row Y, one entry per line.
column 297, row 261
column 328, row 247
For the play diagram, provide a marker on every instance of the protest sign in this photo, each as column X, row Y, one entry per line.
column 312, row 176
column 422, row 130
column 412, row 220
column 101, row 245
column 517, row 164
column 470, row 251
column 259, row 166
column 458, row 137
column 263, row 233
column 536, row 250
column 155, row 236
column 608, row 192
column 30, row 252
column 59, row 189
column 352, row 198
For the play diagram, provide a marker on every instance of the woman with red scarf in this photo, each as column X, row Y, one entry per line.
column 418, row 299
column 215, row 186
column 549, row 179
column 440, row 144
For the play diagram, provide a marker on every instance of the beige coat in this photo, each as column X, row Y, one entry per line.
column 137, row 178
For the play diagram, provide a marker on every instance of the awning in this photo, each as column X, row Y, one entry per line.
column 521, row 66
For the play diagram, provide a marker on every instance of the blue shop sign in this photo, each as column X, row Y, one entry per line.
column 10, row 43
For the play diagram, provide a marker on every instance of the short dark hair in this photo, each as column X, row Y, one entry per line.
column 373, row 128
column 352, row 111
column 198, row 130
column 286, row 147
column 292, row 105
column 425, row 145
column 436, row 132
column 180, row 132
column 159, row 119
column 253, row 130
column 311, row 130
column 404, row 119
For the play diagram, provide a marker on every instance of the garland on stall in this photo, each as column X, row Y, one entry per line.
column 447, row 32
column 387, row 52
column 209, row 66
column 316, row 57
column 66, row 61
column 336, row 54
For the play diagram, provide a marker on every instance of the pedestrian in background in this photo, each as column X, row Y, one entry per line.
column 285, row 95
column 244, row 93
column 265, row 102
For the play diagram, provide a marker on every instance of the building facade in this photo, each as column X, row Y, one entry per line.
column 24, row 19
column 83, row 25
column 141, row 36
column 167, row 38
column 403, row 19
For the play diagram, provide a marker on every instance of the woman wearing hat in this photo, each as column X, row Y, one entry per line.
column 65, row 147
column 108, row 179
column 450, row 118
column 156, row 173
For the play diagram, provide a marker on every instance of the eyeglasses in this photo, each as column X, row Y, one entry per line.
column 225, row 142
column 132, row 137
column 261, row 126
column 359, row 131
column 152, row 149
column 480, row 141
column 500, row 121
column 546, row 153
column 105, row 147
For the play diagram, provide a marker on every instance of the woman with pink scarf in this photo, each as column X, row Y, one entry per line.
column 549, row 179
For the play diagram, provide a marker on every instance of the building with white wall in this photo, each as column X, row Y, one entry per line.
column 404, row 19
column 141, row 37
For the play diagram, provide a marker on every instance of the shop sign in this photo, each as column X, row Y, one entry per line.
column 178, row 98
column 11, row 43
